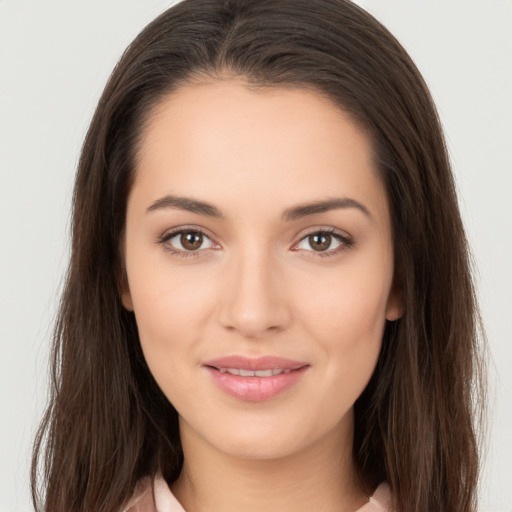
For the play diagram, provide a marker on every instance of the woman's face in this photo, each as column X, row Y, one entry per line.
column 259, row 264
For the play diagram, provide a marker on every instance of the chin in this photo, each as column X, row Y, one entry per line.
column 260, row 449
column 259, row 441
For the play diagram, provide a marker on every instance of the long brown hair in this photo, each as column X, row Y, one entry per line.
column 108, row 424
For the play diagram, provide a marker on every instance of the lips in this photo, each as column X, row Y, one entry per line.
column 255, row 363
column 253, row 373
column 255, row 379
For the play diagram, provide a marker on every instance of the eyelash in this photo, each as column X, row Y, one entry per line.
column 178, row 252
column 345, row 241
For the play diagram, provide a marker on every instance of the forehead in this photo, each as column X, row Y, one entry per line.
column 224, row 140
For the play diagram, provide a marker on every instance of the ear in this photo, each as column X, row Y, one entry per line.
column 126, row 299
column 122, row 277
column 395, row 305
column 124, row 290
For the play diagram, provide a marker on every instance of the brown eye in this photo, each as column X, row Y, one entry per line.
column 191, row 240
column 188, row 241
column 320, row 241
column 324, row 243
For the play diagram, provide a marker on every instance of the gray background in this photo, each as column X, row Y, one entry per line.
column 55, row 57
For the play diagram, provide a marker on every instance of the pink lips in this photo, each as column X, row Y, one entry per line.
column 255, row 388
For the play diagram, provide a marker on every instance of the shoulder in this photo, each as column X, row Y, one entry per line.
column 153, row 495
column 143, row 499
column 380, row 501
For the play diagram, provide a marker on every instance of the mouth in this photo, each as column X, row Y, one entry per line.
column 246, row 364
column 255, row 379
column 253, row 373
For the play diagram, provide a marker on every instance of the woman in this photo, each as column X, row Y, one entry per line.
column 269, row 300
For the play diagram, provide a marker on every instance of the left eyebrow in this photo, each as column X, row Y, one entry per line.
column 297, row 212
column 186, row 203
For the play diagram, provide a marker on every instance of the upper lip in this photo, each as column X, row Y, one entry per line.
column 255, row 363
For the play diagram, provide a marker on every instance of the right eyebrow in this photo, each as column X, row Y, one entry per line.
column 317, row 207
column 186, row 203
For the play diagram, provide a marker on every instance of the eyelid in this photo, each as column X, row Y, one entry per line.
column 346, row 241
column 171, row 233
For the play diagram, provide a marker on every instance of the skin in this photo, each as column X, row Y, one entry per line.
column 256, row 286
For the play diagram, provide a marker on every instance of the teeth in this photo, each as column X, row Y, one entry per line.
column 254, row 373
column 263, row 373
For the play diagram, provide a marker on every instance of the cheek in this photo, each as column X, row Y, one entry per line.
column 348, row 306
column 167, row 297
column 163, row 322
column 172, row 307
column 346, row 315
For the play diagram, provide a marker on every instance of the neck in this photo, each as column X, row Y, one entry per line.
column 320, row 477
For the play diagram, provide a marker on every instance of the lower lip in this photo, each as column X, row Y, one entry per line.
column 255, row 389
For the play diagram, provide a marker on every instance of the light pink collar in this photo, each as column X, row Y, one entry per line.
column 155, row 496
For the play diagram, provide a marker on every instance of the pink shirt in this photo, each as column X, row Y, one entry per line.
column 159, row 498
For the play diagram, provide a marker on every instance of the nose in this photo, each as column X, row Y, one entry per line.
column 253, row 300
